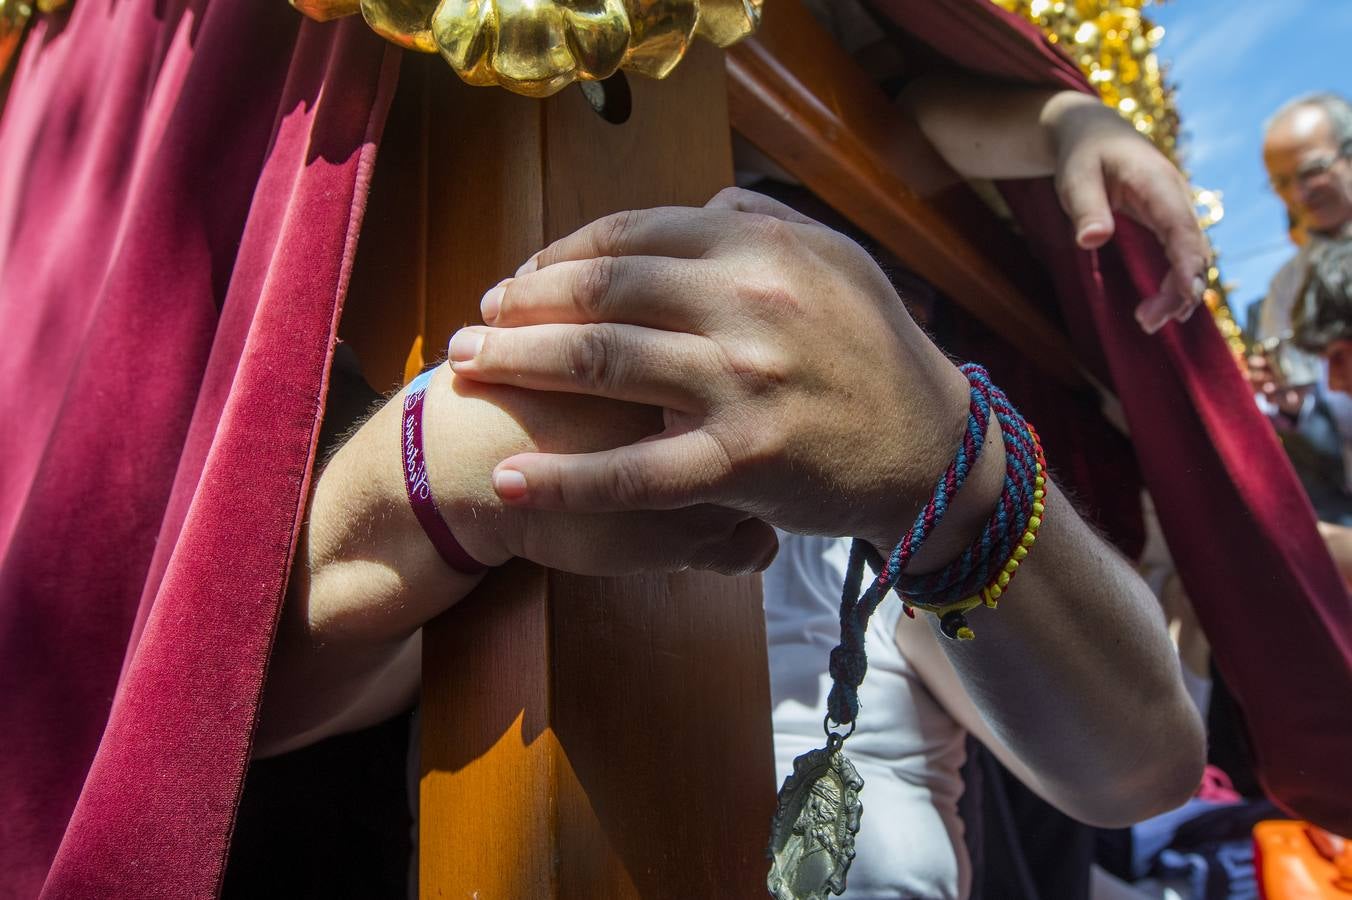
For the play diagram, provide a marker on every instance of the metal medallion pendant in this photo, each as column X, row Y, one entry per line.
column 812, row 837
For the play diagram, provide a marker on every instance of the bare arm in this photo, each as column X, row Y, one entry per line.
column 987, row 129
column 1073, row 682
column 366, row 578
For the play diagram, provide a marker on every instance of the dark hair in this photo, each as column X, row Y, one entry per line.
column 1323, row 312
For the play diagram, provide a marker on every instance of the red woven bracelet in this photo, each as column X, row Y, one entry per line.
column 420, row 491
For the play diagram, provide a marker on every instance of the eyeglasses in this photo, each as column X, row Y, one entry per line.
column 1310, row 170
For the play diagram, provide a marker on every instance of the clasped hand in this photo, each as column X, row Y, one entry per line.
column 793, row 384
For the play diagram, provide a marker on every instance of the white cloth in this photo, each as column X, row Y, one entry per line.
column 907, row 748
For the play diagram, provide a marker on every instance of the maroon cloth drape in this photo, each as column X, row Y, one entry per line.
column 180, row 191
column 1238, row 524
column 181, row 187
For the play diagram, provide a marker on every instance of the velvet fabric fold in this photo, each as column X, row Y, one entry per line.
column 1238, row 524
column 182, row 190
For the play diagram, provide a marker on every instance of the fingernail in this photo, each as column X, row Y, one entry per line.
column 491, row 304
column 1095, row 232
column 1198, row 287
column 529, row 266
column 509, row 484
column 465, row 345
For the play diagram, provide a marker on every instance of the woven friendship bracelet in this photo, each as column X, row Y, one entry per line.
column 980, row 574
column 848, row 663
column 420, row 491
column 952, row 615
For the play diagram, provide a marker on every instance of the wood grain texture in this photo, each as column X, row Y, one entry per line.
column 584, row 738
column 804, row 103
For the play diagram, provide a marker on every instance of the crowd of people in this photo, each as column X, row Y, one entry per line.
column 741, row 388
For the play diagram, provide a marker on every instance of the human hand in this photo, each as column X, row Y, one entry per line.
column 793, row 383
column 1103, row 165
column 506, row 420
column 1263, row 380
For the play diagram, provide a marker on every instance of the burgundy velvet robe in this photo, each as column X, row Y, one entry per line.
column 1238, row 523
column 181, row 189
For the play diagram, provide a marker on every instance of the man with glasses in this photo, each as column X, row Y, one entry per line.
column 1305, row 150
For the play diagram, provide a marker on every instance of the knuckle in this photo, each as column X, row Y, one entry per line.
column 591, row 357
column 593, row 288
column 731, row 196
column 616, row 231
column 766, row 229
column 628, row 487
column 758, row 370
column 771, row 295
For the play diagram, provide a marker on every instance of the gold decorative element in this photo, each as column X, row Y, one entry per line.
column 537, row 47
column 14, row 15
column 323, row 10
column 1114, row 44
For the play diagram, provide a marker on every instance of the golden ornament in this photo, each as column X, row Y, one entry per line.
column 537, row 47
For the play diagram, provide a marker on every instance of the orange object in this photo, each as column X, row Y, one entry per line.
column 1297, row 861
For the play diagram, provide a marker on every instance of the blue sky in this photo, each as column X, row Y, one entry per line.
column 1233, row 63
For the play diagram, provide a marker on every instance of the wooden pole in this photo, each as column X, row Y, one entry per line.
column 582, row 737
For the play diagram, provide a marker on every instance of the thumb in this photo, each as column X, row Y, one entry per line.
column 1084, row 197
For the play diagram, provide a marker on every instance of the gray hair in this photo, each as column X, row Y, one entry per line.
column 1335, row 106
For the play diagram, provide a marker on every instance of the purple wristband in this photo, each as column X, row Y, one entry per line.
column 420, row 491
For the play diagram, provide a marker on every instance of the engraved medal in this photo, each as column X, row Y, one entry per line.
column 816, row 819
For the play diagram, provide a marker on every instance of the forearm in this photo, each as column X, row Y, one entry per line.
column 987, row 129
column 365, row 579
column 1074, row 674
